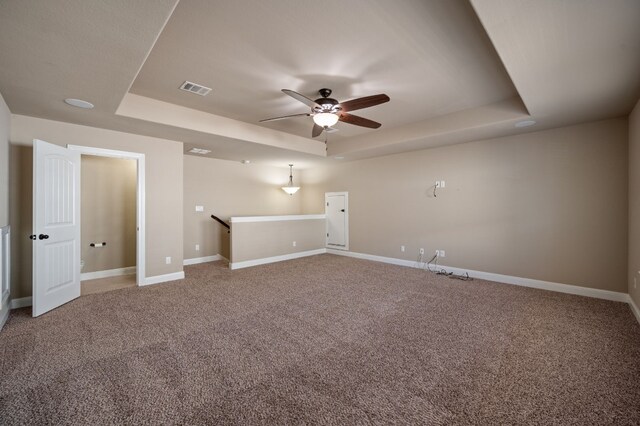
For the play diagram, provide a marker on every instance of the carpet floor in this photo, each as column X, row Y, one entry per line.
column 322, row 340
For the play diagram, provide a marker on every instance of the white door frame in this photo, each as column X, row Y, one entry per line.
column 346, row 218
column 140, row 202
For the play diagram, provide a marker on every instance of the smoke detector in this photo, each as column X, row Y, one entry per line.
column 198, row 89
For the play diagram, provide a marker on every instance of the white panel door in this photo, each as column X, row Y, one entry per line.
column 337, row 223
column 56, row 226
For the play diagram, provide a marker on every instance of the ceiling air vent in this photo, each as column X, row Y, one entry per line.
column 199, row 151
column 195, row 88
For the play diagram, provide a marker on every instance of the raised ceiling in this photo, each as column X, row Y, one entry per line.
column 356, row 48
column 455, row 70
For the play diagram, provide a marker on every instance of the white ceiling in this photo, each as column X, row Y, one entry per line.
column 455, row 71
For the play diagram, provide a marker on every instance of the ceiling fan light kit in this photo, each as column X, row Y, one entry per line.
column 327, row 111
column 325, row 119
column 290, row 189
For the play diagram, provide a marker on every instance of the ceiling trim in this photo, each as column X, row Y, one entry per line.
column 437, row 131
column 152, row 110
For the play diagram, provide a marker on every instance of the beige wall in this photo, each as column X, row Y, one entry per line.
column 108, row 209
column 549, row 205
column 634, row 204
column 20, row 218
column 259, row 240
column 5, row 126
column 163, row 190
column 230, row 188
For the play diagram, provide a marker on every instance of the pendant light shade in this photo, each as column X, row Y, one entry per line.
column 290, row 189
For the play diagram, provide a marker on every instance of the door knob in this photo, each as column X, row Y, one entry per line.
column 43, row 237
column 342, row 210
column 32, row 237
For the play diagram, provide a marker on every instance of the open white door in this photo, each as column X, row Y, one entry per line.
column 56, row 226
column 337, row 220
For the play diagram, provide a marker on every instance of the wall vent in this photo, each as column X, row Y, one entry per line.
column 198, row 89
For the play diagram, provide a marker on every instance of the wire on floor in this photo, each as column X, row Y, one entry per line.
column 443, row 271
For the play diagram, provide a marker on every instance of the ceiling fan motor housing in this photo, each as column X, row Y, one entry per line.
column 328, row 104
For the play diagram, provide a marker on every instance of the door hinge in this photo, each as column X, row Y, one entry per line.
column 327, row 204
column 327, row 234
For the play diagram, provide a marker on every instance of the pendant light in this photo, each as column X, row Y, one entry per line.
column 290, row 189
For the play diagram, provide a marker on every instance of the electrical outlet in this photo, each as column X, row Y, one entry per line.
column 199, row 208
column 402, row 249
column 294, row 243
column 441, row 184
column 437, row 184
column 442, row 253
column 421, row 251
column 168, row 260
column 197, row 247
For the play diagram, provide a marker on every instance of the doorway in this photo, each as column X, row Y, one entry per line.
column 337, row 213
column 107, row 255
column 108, row 223
column 57, row 220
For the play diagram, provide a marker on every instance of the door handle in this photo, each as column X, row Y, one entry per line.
column 342, row 210
column 32, row 237
column 43, row 237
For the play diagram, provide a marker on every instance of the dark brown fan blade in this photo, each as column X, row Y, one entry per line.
column 366, row 102
column 301, row 98
column 285, row 116
column 317, row 131
column 359, row 121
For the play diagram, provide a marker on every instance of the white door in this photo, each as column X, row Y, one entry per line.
column 337, row 220
column 56, row 226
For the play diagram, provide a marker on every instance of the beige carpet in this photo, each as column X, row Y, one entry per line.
column 323, row 340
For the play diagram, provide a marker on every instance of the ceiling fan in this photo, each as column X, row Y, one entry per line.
column 327, row 111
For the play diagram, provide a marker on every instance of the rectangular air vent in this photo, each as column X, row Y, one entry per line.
column 198, row 89
column 199, row 151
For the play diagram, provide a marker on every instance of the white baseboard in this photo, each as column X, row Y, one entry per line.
column 265, row 260
column 634, row 308
column 107, row 273
column 23, row 302
column 196, row 260
column 157, row 279
column 506, row 279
